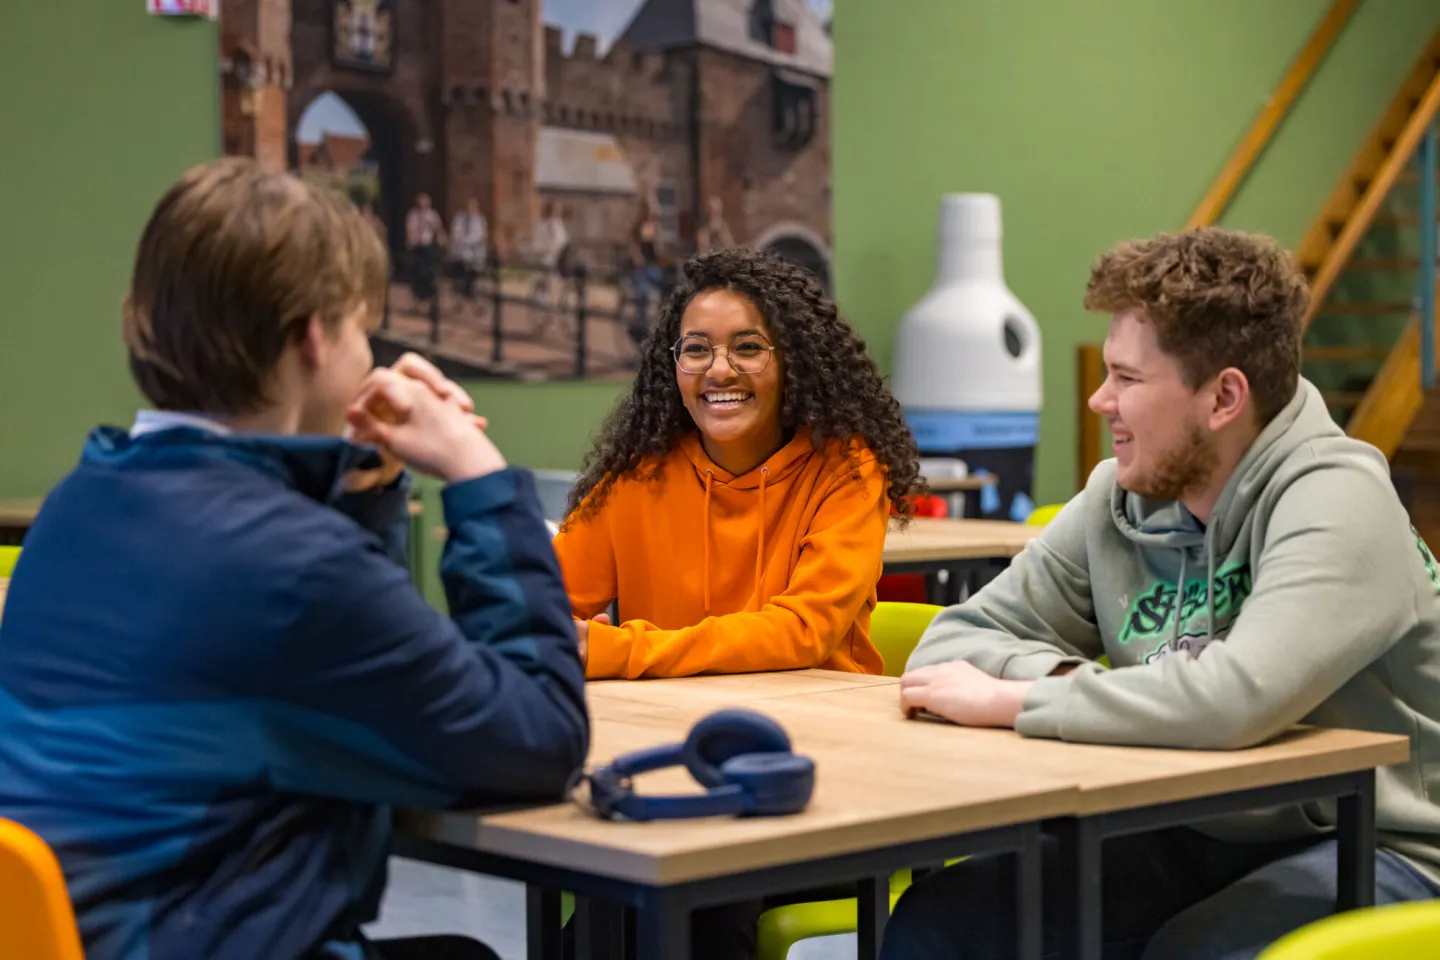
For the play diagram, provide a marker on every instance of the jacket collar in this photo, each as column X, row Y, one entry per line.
column 314, row 465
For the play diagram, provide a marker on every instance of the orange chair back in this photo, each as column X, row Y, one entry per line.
column 36, row 919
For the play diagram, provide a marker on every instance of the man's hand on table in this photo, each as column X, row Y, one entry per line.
column 963, row 694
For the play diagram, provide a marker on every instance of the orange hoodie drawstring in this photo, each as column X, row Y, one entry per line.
column 709, row 478
column 760, row 551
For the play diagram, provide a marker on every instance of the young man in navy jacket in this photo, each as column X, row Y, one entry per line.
column 215, row 674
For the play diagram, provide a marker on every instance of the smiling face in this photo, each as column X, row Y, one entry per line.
column 738, row 414
column 1164, row 447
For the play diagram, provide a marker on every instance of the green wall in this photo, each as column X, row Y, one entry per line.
column 103, row 107
column 545, row 425
column 1093, row 122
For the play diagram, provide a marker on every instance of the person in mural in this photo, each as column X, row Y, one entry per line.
column 215, row 671
column 424, row 237
column 1245, row 566
column 468, row 234
column 646, row 273
column 550, row 243
column 716, row 233
column 362, row 32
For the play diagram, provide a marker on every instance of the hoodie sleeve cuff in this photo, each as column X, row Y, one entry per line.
column 609, row 652
column 471, row 498
column 1044, row 708
column 1035, row 666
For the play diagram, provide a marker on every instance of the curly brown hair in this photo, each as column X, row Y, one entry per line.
column 831, row 384
column 1217, row 298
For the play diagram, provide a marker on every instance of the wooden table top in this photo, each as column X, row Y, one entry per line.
column 684, row 694
column 881, row 779
column 928, row 539
column 960, row 484
column 1122, row 778
column 18, row 513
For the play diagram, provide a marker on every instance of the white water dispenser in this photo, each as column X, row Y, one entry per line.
column 967, row 360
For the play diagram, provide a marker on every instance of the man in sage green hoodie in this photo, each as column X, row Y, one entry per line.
column 1245, row 566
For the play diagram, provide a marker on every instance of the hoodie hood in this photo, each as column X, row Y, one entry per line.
column 1168, row 526
column 781, row 464
column 780, row 467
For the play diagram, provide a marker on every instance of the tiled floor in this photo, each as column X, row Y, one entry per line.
column 422, row 899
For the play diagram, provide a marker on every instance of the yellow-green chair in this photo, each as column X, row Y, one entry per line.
column 1043, row 515
column 8, row 556
column 895, row 629
column 783, row 927
column 1403, row 931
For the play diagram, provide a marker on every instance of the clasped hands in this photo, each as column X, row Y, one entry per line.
column 963, row 694
column 416, row 415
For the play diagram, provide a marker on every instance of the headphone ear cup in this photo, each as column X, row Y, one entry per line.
column 726, row 734
column 773, row 784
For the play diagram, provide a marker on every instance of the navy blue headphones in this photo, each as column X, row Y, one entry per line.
column 742, row 758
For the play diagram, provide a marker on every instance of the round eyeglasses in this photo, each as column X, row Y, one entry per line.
column 747, row 354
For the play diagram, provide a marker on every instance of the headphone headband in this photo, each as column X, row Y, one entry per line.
column 742, row 758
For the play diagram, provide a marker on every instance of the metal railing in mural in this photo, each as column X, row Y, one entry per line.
column 524, row 321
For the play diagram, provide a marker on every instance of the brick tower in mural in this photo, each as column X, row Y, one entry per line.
column 702, row 108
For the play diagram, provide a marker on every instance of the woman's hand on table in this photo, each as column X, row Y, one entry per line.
column 963, row 694
column 582, row 633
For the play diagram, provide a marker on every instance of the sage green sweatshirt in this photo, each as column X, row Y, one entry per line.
column 1309, row 597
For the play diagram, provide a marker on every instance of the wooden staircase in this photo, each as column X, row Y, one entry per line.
column 1362, row 342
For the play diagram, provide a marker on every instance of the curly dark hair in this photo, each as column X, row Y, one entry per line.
column 831, row 384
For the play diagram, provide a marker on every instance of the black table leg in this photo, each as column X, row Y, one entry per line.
column 662, row 929
column 872, row 904
column 1028, row 897
column 599, row 930
column 1355, row 840
column 935, row 591
column 1080, row 841
column 957, row 585
column 542, row 923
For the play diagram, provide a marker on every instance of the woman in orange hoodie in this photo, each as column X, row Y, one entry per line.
column 736, row 503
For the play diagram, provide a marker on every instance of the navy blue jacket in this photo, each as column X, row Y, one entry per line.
column 215, row 676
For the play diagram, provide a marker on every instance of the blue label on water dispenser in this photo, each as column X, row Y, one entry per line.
column 951, row 431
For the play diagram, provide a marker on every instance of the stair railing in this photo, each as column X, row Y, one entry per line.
column 1358, row 223
column 1425, row 304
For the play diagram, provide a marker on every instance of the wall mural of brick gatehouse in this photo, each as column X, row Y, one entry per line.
column 540, row 186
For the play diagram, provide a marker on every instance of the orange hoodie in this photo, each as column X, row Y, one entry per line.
column 772, row 570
